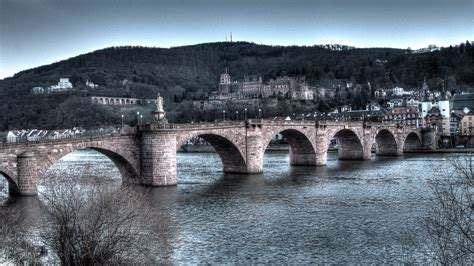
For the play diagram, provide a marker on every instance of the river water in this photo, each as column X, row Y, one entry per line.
column 345, row 212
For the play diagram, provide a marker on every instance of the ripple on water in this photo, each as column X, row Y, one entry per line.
column 345, row 212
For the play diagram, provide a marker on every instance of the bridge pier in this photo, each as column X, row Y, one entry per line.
column 28, row 169
column 367, row 152
column 399, row 150
column 158, row 158
column 254, row 149
column 321, row 150
column 428, row 136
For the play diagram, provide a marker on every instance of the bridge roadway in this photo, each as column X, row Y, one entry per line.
column 147, row 155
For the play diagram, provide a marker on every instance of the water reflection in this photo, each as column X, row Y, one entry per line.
column 347, row 211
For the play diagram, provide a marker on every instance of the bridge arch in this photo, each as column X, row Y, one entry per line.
column 349, row 145
column 10, row 176
column 124, row 164
column 412, row 142
column 385, row 143
column 232, row 158
column 302, row 150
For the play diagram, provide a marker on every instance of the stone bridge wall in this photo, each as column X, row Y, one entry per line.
column 25, row 163
column 149, row 156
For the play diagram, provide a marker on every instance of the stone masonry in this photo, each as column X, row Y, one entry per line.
column 148, row 156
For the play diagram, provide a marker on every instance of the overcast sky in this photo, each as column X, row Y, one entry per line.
column 38, row 32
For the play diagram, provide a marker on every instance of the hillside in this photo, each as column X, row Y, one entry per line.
column 182, row 74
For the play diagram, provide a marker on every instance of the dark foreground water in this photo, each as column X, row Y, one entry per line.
column 348, row 211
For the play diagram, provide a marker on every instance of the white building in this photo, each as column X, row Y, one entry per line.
column 380, row 93
column 413, row 103
column 442, row 105
column 63, row 85
column 37, row 90
column 395, row 103
column 91, row 85
column 121, row 101
column 14, row 136
column 397, row 91
column 35, row 135
column 372, row 106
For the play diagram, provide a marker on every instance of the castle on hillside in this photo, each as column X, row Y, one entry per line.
column 253, row 87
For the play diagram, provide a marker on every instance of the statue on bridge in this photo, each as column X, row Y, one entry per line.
column 159, row 113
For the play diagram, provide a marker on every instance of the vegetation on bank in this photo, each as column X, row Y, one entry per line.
column 184, row 74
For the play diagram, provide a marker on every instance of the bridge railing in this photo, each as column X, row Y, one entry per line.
column 190, row 125
column 128, row 131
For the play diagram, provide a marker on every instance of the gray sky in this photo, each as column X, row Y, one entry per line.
column 38, row 32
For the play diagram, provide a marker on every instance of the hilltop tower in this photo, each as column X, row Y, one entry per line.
column 225, row 83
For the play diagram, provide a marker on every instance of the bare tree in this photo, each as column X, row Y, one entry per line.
column 450, row 221
column 14, row 239
column 97, row 226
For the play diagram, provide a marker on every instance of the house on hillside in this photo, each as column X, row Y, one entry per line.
column 17, row 136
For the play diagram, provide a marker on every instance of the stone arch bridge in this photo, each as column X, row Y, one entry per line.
column 147, row 156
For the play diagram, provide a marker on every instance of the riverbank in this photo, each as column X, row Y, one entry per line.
column 463, row 150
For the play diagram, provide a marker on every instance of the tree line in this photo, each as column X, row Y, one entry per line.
column 184, row 74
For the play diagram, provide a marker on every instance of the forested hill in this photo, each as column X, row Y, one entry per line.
column 191, row 72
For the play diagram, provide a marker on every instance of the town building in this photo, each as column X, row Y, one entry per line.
column 35, row 135
column 91, row 85
column 380, row 94
column 412, row 102
column 16, row 135
column 397, row 91
column 37, row 90
column 352, row 115
column 467, row 125
column 373, row 106
column 455, row 121
column 461, row 101
column 432, row 111
column 443, row 105
column 434, row 119
column 396, row 102
column 345, row 108
column 24, row 135
column 403, row 116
